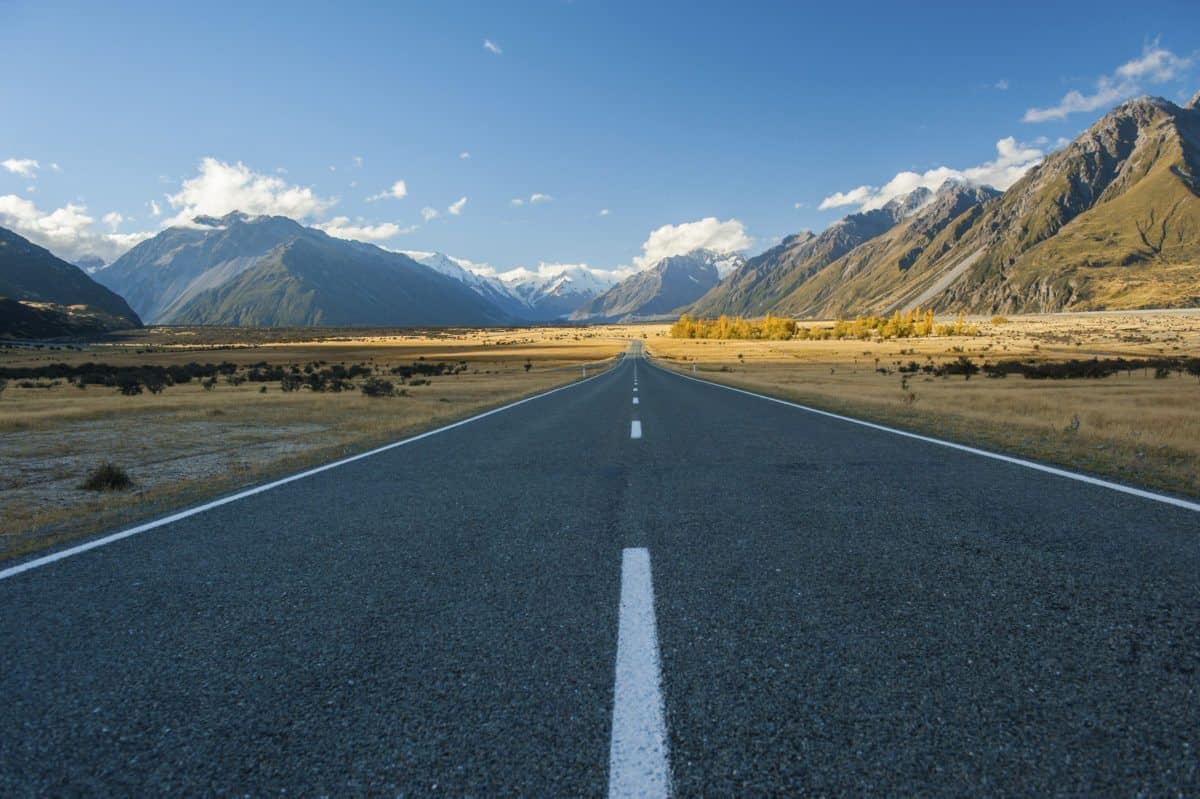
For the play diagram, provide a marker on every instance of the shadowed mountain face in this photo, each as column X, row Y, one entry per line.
column 668, row 286
column 33, row 274
column 272, row 271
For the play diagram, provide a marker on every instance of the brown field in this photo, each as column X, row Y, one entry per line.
column 1134, row 427
column 187, row 444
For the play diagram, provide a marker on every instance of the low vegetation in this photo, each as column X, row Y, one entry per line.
column 907, row 324
column 194, row 412
column 107, row 477
column 1117, row 394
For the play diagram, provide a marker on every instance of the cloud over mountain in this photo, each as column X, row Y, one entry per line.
column 221, row 187
column 1013, row 159
column 708, row 233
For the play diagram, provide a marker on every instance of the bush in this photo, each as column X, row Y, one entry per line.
column 107, row 477
column 378, row 387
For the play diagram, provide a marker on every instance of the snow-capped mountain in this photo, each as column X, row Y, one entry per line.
column 522, row 293
column 556, row 296
column 672, row 283
column 490, row 288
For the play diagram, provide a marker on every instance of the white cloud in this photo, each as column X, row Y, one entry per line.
column 1000, row 85
column 25, row 167
column 708, row 233
column 221, row 187
column 605, row 212
column 1156, row 65
column 113, row 220
column 428, row 213
column 358, row 161
column 537, row 198
column 54, row 166
column 68, row 232
column 1012, row 161
column 342, row 228
column 464, row 155
column 398, row 191
column 456, row 207
column 492, row 47
column 548, row 270
column 799, row 205
column 155, row 210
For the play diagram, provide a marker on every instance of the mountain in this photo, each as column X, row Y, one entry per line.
column 273, row 271
column 492, row 289
column 555, row 296
column 1111, row 221
column 164, row 272
column 762, row 281
column 669, row 285
column 32, row 274
column 90, row 263
column 317, row 280
column 25, row 319
column 887, row 271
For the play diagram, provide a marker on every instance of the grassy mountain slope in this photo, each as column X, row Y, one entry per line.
column 33, row 273
column 1110, row 221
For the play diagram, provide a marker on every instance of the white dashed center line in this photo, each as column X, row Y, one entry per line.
column 635, row 429
column 638, row 762
column 635, row 400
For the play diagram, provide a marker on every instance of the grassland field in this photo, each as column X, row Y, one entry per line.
column 188, row 443
column 1141, row 426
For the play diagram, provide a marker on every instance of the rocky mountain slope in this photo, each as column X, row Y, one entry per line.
column 764, row 280
column 669, row 285
column 1111, row 221
column 887, row 271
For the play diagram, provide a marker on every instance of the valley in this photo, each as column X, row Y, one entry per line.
column 189, row 442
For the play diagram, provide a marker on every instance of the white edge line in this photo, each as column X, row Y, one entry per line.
column 1041, row 467
column 638, row 760
column 45, row 560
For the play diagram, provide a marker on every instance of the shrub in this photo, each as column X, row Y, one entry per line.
column 378, row 387
column 107, row 477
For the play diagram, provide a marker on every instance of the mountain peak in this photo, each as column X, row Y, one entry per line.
column 1194, row 103
column 906, row 205
column 233, row 217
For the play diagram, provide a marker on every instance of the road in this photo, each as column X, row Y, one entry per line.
column 749, row 599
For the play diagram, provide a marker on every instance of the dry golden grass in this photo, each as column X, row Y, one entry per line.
column 188, row 444
column 1133, row 427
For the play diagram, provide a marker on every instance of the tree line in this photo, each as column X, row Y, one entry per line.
column 914, row 323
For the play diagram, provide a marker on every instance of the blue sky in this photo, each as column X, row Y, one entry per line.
column 749, row 115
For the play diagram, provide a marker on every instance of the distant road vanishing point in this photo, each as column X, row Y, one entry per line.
column 636, row 585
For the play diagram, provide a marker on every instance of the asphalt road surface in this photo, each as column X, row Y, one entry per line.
column 746, row 599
